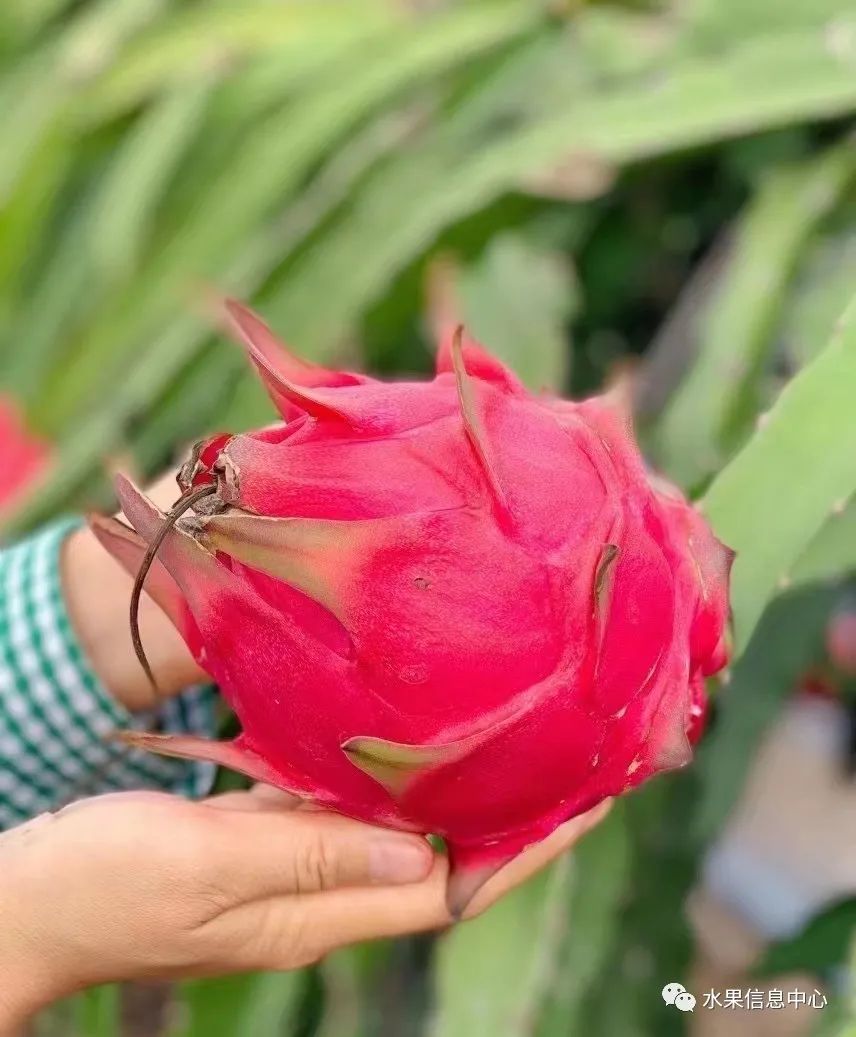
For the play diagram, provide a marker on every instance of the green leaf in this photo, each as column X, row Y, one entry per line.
column 821, row 292
column 80, row 454
column 272, row 161
column 31, row 97
column 653, row 939
column 519, row 299
column 787, row 641
column 352, row 981
column 823, row 944
column 204, row 39
column 715, row 22
column 770, row 81
column 772, row 499
column 90, row 42
column 25, row 218
column 832, row 553
column 249, row 406
column 261, row 1005
column 148, row 157
column 491, row 973
column 840, row 1018
column 600, row 873
column 21, row 18
column 99, row 1013
column 720, row 394
column 269, row 164
column 191, row 407
column 38, row 327
column 154, row 371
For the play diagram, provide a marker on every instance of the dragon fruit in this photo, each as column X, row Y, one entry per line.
column 23, row 458
column 451, row 607
column 841, row 636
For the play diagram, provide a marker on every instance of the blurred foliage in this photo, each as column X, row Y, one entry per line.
column 264, row 1005
column 789, row 641
column 487, row 979
column 666, row 185
column 821, row 945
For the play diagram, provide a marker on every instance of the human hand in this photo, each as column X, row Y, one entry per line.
column 145, row 886
column 97, row 592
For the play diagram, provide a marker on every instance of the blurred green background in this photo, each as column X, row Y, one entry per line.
column 664, row 187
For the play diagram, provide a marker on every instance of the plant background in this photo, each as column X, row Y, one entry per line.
column 664, row 187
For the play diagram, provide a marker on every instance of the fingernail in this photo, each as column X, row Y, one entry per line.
column 398, row 860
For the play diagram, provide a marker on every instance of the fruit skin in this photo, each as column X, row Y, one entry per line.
column 841, row 637
column 448, row 606
column 23, row 457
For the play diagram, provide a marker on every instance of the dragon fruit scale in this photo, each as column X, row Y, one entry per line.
column 451, row 606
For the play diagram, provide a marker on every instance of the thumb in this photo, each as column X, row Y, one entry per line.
column 262, row 854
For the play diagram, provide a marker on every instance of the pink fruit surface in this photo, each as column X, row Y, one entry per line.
column 841, row 638
column 23, row 457
column 450, row 606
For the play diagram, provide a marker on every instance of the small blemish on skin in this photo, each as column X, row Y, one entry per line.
column 416, row 674
column 422, row 583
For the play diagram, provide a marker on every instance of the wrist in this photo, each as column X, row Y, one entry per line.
column 97, row 592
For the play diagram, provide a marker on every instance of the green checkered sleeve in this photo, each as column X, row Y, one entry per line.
column 54, row 713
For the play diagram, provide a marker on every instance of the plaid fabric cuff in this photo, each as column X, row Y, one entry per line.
column 55, row 714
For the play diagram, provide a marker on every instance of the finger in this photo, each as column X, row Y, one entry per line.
column 331, row 920
column 287, row 932
column 256, row 854
column 353, row 917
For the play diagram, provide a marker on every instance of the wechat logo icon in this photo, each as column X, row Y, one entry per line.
column 677, row 994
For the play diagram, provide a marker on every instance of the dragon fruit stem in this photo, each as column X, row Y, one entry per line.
column 183, row 504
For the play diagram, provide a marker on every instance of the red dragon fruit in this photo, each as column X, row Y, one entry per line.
column 23, row 458
column 451, row 606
